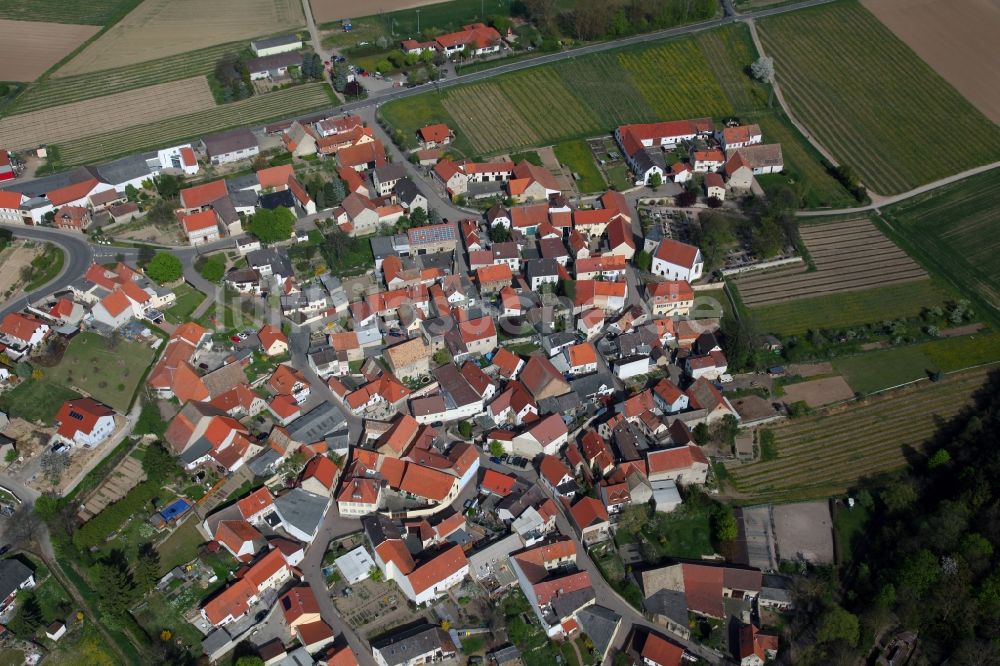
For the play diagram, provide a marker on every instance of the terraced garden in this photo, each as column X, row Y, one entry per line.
column 829, row 453
column 849, row 256
column 953, row 231
column 60, row 90
column 256, row 110
column 871, row 101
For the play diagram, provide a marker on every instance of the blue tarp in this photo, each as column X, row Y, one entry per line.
column 175, row 509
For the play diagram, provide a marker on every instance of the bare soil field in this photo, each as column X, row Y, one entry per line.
column 819, row 392
column 38, row 46
column 325, row 11
column 849, row 256
column 811, row 369
column 160, row 28
column 957, row 38
column 106, row 114
column 804, row 531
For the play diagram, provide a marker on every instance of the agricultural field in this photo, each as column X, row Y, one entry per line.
column 433, row 13
column 727, row 51
column 850, row 308
column 90, row 12
column 849, row 256
column 107, row 114
column 65, row 89
column 109, row 375
column 840, row 69
column 955, row 37
column 953, row 231
column 255, row 110
column 160, row 28
column 38, row 46
column 829, row 453
column 600, row 81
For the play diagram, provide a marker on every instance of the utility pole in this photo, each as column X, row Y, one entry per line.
column 418, row 21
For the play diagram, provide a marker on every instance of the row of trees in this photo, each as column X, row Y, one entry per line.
column 594, row 19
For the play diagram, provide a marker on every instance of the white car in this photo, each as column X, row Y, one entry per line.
column 726, row 379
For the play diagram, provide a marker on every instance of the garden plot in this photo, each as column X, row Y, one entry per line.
column 105, row 114
column 849, row 256
column 124, row 477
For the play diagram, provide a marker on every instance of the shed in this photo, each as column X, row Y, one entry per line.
column 355, row 565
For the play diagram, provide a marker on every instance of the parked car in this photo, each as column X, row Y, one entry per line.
column 495, row 460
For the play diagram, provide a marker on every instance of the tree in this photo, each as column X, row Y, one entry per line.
column 334, row 192
column 211, row 268
column 271, row 226
column 375, row 574
column 643, row 261
column 496, row 449
column 10, row 456
column 53, row 464
column 150, row 422
column 499, row 233
column 146, row 254
column 158, row 464
column 418, row 217
column 686, row 199
column 763, row 69
column 115, row 584
column 28, row 617
column 338, row 75
column 131, row 192
column 633, row 518
column 164, row 267
column 169, row 186
column 655, row 180
column 147, row 567
column 701, row 434
column 724, row 526
column 47, row 507
column 737, row 341
column 836, row 623
column 465, row 429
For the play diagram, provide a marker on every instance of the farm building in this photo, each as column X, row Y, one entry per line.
column 231, row 146
column 275, row 45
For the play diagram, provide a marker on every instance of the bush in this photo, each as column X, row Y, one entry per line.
column 212, row 268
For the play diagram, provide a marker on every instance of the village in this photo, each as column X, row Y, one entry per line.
column 506, row 407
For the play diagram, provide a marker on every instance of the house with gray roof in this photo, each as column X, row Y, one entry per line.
column 409, row 195
column 601, row 625
column 231, row 146
column 423, row 643
column 302, row 512
column 14, row 576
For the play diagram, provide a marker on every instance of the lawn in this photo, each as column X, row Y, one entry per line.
column 576, row 156
column 110, row 375
column 712, row 303
column 851, row 308
column 620, row 177
column 181, row 546
column 953, row 233
column 188, row 299
column 89, row 12
column 829, row 453
column 11, row 657
column 46, row 266
column 840, row 69
column 36, row 400
column 685, row 532
column 159, row 611
column 258, row 109
column 848, row 525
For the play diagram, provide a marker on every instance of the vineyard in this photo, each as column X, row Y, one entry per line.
column 64, row 90
column 954, row 232
column 829, row 453
column 90, row 12
column 255, row 110
column 841, row 70
column 727, row 51
column 487, row 118
column 106, row 115
column 599, row 81
column 849, row 256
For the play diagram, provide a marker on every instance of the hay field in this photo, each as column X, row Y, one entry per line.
column 160, row 28
column 64, row 123
column 326, row 11
column 957, row 38
column 38, row 46
column 872, row 101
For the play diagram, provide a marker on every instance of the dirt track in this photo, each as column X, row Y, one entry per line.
column 37, row 46
column 957, row 38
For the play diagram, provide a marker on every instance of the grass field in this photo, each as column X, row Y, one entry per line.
column 91, row 12
column 255, row 110
column 55, row 91
column 109, row 375
column 829, row 453
column 188, row 299
column 847, row 309
column 576, row 156
column 181, row 546
column 890, row 367
column 953, row 232
column 840, row 69
column 36, row 400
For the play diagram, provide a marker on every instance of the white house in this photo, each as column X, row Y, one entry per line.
column 232, row 146
column 84, row 422
column 23, row 331
column 181, row 158
column 631, row 366
column 678, row 261
column 738, row 137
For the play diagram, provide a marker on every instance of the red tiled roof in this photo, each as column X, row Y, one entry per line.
column 234, row 533
column 202, row 195
column 425, row 482
column 444, row 564
column 589, row 511
column 206, row 219
column 439, row 132
column 116, row 303
column 662, row 652
column 507, row 362
column 297, row 602
column 64, row 195
column 255, row 502
column 553, row 470
column 681, row 457
column 19, row 326
column 676, row 252
column 275, row 177
column 80, row 416
column 494, row 274
column 497, row 483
